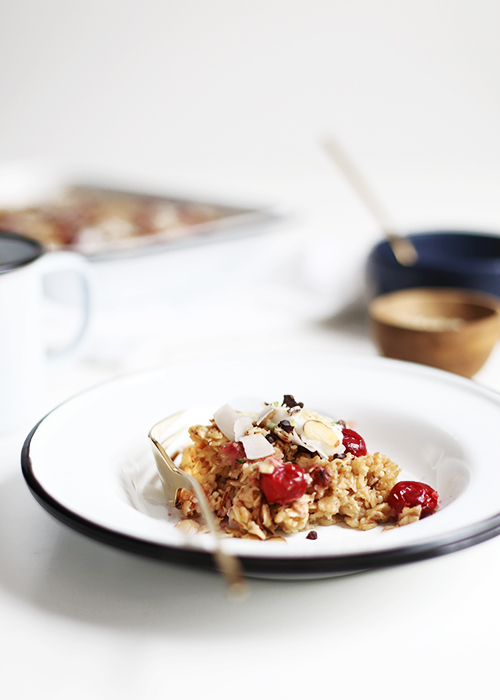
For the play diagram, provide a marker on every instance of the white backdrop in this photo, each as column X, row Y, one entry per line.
column 192, row 90
column 232, row 97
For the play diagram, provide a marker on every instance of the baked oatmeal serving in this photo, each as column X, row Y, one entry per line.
column 288, row 469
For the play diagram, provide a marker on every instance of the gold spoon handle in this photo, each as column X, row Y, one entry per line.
column 402, row 247
column 172, row 478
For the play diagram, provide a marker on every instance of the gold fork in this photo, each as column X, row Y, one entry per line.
column 174, row 478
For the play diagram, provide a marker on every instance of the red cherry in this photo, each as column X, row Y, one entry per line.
column 408, row 494
column 285, row 484
column 353, row 442
column 231, row 452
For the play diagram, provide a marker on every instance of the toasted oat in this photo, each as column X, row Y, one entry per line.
column 339, row 488
column 409, row 515
column 352, row 490
column 191, row 526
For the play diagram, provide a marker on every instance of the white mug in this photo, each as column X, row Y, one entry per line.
column 24, row 359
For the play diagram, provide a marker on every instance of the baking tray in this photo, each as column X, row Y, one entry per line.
column 101, row 221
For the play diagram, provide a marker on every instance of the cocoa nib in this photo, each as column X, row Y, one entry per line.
column 271, row 437
column 290, row 402
column 313, row 535
column 286, row 426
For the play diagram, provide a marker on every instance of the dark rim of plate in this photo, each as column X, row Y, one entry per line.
column 310, row 567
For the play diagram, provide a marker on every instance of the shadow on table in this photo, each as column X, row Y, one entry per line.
column 49, row 566
column 352, row 320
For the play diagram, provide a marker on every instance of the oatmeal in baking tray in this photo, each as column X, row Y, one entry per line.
column 289, row 469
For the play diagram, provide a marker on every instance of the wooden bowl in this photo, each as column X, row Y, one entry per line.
column 451, row 329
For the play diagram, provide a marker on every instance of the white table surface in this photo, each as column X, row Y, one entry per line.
column 232, row 99
column 82, row 619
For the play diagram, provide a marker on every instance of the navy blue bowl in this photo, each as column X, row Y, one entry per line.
column 460, row 259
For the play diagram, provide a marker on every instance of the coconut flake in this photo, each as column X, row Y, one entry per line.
column 225, row 418
column 280, row 413
column 266, row 411
column 242, row 425
column 256, row 446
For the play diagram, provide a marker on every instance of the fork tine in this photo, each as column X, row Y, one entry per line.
column 172, row 477
column 162, row 426
column 168, row 441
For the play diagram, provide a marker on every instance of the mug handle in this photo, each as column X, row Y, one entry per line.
column 66, row 261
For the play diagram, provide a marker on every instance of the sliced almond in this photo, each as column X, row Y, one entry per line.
column 315, row 430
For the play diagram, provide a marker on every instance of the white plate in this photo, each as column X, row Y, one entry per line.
column 90, row 464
